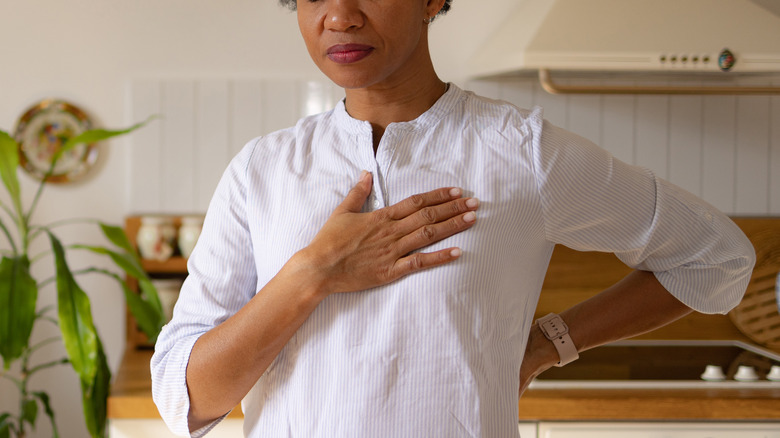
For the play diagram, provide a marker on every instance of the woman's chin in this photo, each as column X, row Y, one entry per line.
column 352, row 79
column 350, row 83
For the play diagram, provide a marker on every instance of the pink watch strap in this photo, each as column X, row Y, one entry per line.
column 557, row 331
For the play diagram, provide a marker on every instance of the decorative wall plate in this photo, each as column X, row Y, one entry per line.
column 43, row 130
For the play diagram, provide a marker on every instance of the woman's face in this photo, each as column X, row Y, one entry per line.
column 364, row 43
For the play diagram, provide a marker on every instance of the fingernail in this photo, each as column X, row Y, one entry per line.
column 472, row 203
column 363, row 175
column 470, row 217
column 455, row 252
column 455, row 192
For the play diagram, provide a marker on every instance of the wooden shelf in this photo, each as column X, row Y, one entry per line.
column 174, row 267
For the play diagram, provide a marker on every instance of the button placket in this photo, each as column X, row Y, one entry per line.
column 377, row 195
column 368, row 162
column 383, row 158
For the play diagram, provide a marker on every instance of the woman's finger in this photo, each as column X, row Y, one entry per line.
column 357, row 196
column 419, row 201
column 432, row 233
column 436, row 214
column 419, row 261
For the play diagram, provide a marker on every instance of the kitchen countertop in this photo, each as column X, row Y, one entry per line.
column 131, row 397
column 656, row 404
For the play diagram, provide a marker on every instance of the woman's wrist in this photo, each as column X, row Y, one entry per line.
column 306, row 272
column 540, row 351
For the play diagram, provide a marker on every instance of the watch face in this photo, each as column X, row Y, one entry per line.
column 43, row 130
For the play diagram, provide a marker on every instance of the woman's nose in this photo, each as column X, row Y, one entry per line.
column 343, row 15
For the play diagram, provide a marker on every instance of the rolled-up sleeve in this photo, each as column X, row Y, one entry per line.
column 595, row 202
column 221, row 279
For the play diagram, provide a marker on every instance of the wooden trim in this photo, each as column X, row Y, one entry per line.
column 637, row 405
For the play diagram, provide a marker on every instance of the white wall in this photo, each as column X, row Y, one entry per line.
column 95, row 53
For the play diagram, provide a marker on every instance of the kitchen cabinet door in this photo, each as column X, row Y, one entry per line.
column 145, row 428
column 659, row 430
column 527, row 430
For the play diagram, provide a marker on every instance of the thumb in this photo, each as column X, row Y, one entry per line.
column 357, row 196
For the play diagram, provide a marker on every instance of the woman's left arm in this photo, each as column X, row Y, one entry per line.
column 688, row 255
column 635, row 305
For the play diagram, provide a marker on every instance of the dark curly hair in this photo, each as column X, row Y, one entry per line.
column 292, row 4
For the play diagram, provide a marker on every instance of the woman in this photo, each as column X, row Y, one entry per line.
column 342, row 285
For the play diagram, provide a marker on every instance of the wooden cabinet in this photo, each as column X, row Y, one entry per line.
column 174, row 267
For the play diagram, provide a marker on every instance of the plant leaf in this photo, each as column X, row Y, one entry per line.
column 148, row 318
column 118, row 237
column 146, row 305
column 75, row 316
column 149, row 294
column 127, row 262
column 30, row 411
column 94, row 396
column 18, row 297
column 9, row 162
column 44, row 398
column 93, row 136
column 131, row 264
column 5, row 426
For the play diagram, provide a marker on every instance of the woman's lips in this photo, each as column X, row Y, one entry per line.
column 348, row 53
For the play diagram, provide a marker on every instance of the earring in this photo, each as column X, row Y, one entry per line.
column 427, row 20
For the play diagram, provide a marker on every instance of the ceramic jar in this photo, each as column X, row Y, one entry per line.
column 156, row 237
column 189, row 233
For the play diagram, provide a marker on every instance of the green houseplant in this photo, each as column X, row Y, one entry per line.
column 19, row 293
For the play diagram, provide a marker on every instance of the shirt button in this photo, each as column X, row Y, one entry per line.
column 376, row 205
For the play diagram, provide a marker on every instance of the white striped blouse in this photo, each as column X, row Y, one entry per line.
column 436, row 353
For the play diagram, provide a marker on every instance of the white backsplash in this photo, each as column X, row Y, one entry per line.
column 725, row 149
column 176, row 161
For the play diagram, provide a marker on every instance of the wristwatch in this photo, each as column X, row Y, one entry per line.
column 557, row 331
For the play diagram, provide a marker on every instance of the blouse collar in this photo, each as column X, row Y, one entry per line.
column 443, row 106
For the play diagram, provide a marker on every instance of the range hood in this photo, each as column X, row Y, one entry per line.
column 702, row 38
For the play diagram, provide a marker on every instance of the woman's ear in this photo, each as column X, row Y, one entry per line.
column 433, row 7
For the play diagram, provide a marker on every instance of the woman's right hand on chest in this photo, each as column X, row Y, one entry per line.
column 356, row 251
